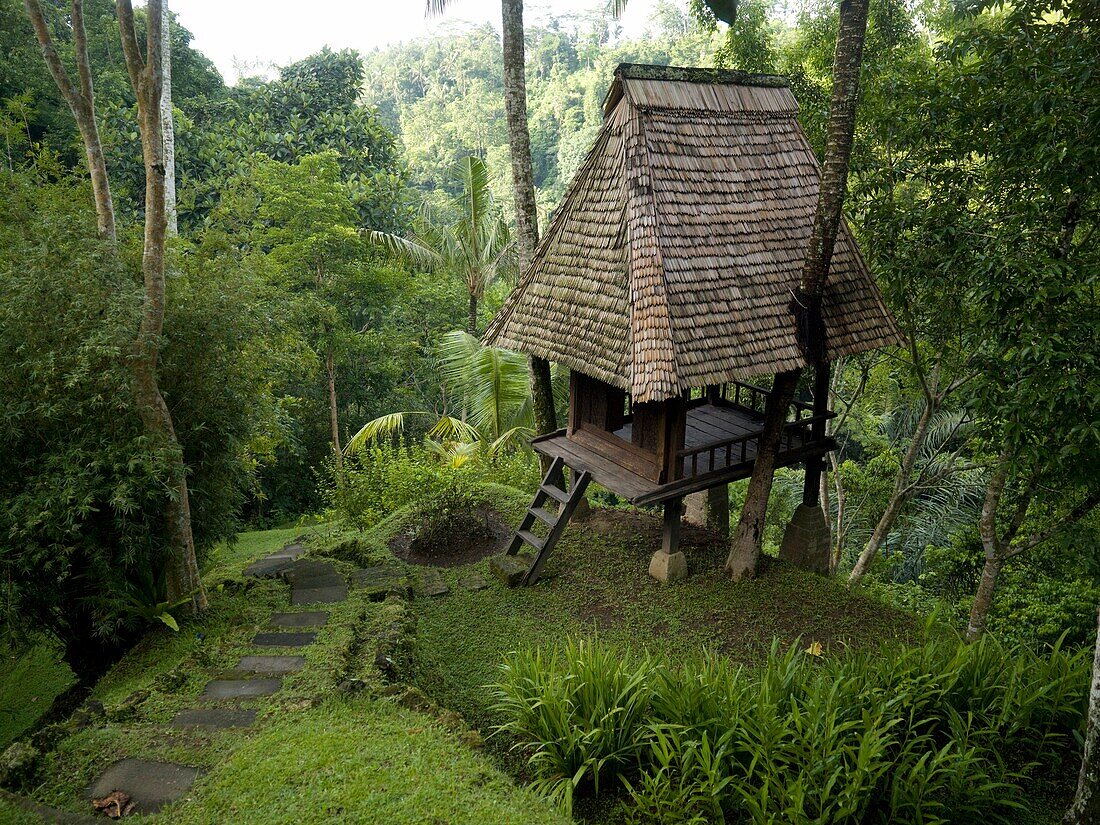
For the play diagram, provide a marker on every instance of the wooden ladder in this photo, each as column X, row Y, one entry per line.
column 567, row 502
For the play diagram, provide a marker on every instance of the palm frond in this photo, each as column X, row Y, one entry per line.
column 434, row 8
column 515, row 437
column 497, row 387
column 449, row 428
column 456, row 453
column 413, row 250
column 381, row 427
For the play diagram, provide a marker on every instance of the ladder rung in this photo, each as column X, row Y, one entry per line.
column 531, row 539
column 545, row 516
column 556, row 493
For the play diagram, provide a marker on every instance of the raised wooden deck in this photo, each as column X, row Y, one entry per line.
column 719, row 447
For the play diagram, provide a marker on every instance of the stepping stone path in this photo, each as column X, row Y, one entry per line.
column 150, row 785
column 432, row 584
column 271, row 566
column 306, row 618
column 284, row 639
column 215, row 718
column 315, row 582
column 379, row 582
column 281, row 665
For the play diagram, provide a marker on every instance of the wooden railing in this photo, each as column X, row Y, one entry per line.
column 738, row 448
column 754, row 398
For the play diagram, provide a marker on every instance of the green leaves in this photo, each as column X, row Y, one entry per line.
column 939, row 733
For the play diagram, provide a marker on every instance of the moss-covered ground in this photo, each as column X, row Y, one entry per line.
column 315, row 754
column 30, row 679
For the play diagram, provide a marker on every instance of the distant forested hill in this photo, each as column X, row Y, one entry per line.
column 443, row 95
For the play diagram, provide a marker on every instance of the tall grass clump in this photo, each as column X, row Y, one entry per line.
column 938, row 733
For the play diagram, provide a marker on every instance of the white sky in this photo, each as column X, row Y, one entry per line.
column 261, row 33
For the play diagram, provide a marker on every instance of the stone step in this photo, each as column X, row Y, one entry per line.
column 240, row 688
column 304, row 572
column 268, row 568
column 150, row 785
column 276, row 665
column 473, row 582
column 291, row 551
column 510, row 569
column 319, row 595
column 379, row 582
column 214, row 718
column 432, row 584
column 304, row 618
column 285, row 639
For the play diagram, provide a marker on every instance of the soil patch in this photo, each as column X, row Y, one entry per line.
column 459, row 538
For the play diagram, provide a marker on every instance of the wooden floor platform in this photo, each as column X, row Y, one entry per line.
column 707, row 424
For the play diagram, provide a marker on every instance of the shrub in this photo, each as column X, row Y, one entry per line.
column 942, row 732
column 83, row 492
column 382, row 478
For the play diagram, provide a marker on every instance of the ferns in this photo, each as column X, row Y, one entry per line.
column 932, row 734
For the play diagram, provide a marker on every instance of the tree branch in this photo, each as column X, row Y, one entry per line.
column 135, row 64
column 53, row 61
column 1089, row 504
column 83, row 63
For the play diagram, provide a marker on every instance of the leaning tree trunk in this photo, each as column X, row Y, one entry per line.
column 81, row 102
column 523, row 185
column 745, row 546
column 1085, row 809
column 184, row 583
column 167, row 124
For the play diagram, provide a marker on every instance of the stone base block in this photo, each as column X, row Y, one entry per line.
column 510, row 569
column 668, row 567
column 807, row 541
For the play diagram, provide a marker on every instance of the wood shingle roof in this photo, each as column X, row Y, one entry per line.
column 673, row 257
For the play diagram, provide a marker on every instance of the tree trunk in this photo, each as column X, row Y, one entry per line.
column 898, row 498
column 841, row 496
column 523, row 187
column 333, row 409
column 183, row 571
column 471, row 323
column 81, row 102
column 167, row 124
column 745, row 546
column 1085, row 809
column 991, row 544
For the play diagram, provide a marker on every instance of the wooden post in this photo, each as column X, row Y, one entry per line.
column 669, row 564
column 811, row 489
column 670, row 529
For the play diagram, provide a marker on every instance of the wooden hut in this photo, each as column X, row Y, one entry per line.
column 664, row 282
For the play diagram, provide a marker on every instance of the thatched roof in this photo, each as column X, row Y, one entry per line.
column 672, row 260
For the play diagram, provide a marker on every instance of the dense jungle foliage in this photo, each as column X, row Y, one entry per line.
column 345, row 233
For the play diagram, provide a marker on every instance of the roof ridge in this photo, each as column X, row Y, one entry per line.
column 695, row 74
column 659, row 377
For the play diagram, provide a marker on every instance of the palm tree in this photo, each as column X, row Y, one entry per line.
column 523, row 179
column 477, row 246
column 491, row 384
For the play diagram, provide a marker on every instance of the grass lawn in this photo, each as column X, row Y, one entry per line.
column 597, row 583
column 315, row 754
